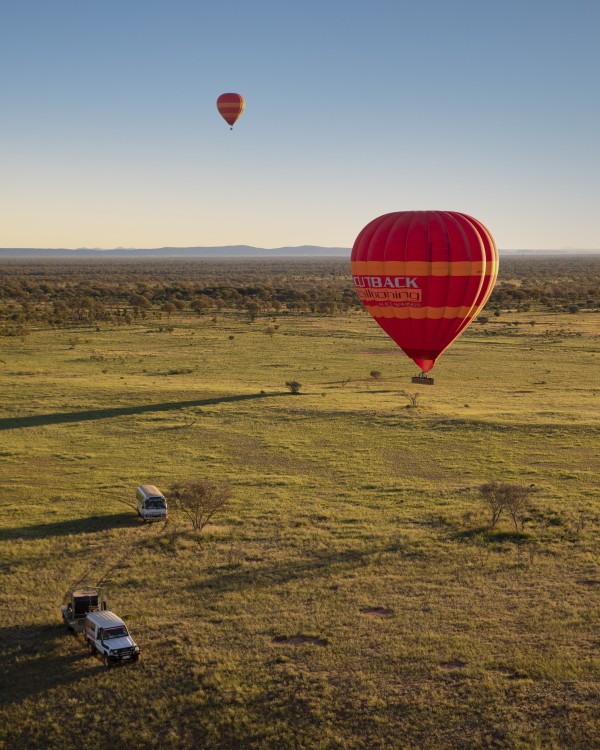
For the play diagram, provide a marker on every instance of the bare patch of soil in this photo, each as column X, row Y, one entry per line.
column 297, row 640
column 454, row 664
column 505, row 671
column 377, row 612
column 511, row 674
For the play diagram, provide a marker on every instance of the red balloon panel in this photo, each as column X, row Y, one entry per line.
column 424, row 276
column 230, row 107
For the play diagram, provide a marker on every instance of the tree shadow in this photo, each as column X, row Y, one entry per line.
column 472, row 533
column 37, row 420
column 89, row 525
column 34, row 661
column 516, row 537
column 488, row 535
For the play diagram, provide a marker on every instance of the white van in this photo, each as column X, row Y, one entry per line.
column 151, row 503
column 107, row 634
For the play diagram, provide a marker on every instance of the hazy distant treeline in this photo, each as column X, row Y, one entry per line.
column 58, row 293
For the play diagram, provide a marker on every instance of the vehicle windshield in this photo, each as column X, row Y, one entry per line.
column 154, row 503
column 117, row 632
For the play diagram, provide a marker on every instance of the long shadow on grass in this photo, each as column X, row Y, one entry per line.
column 491, row 535
column 33, row 660
column 276, row 575
column 89, row 525
column 37, row 420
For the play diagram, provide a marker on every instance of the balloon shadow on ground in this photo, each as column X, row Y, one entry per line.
column 38, row 420
column 89, row 525
column 226, row 579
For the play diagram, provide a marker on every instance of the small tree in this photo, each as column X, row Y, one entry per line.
column 375, row 374
column 517, row 498
column 200, row 305
column 493, row 497
column 199, row 500
column 502, row 496
column 189, row 418
column 413, row 399
column 252, row 310
column 294, row 386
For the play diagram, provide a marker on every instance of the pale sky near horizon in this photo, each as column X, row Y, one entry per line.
column 110, row 136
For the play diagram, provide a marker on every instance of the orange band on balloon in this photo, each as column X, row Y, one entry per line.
column 423, row 268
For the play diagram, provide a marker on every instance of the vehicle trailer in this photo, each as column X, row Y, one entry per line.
column 80, row 602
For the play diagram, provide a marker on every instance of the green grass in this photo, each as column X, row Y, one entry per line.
column 252, row 633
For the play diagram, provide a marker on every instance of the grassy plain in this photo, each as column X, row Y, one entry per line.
column 352, row 595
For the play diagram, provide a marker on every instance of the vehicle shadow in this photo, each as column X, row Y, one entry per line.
column 89, row 525
column 38, row 420
column 36, row 658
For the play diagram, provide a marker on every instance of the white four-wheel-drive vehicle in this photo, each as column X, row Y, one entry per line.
column 107, row 635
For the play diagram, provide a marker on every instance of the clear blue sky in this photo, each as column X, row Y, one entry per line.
column 109, row 133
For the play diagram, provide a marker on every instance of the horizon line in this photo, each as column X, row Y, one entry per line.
column 175, row 248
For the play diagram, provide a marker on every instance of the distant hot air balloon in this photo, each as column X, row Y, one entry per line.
column 424, row 276
column 230, row 107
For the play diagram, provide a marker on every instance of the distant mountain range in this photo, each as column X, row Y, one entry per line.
column 228, row 251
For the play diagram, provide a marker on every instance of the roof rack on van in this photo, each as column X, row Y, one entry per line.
column 149, row 490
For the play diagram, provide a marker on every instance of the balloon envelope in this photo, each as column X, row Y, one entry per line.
column 424, row 276
column 231, row 107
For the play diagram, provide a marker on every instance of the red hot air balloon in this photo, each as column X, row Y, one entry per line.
column 230, row 107
column 424, row 276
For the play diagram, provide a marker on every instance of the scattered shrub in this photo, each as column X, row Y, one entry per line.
column 199, row 500
column 413, row 399
column 502, row 496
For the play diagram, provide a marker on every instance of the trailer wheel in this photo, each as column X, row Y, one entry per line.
column 106, row 661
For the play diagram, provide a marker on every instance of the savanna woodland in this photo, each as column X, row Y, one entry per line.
column 350, row 560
